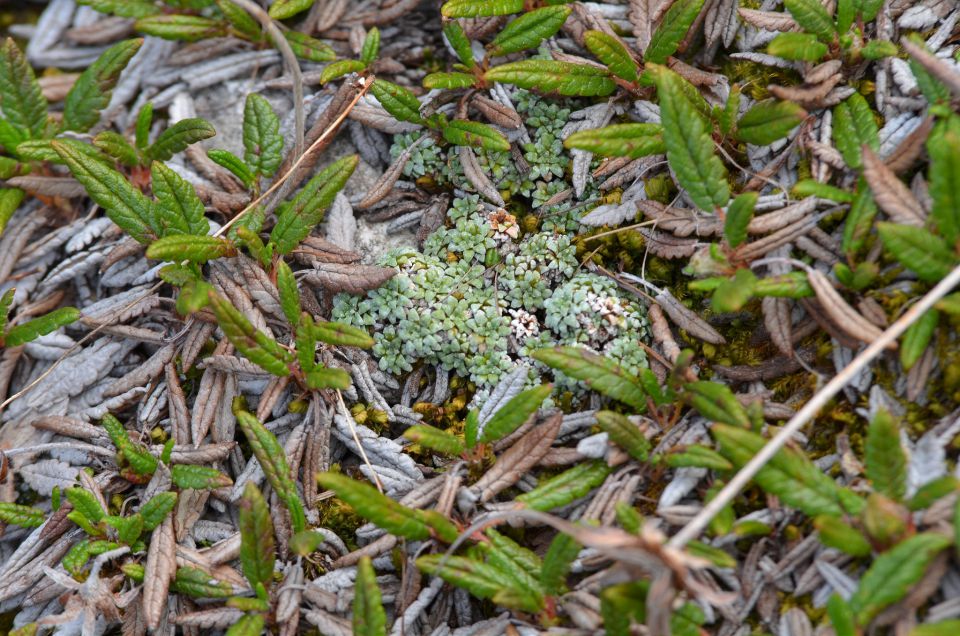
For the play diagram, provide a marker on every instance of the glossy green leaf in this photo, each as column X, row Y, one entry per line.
column 6, row 301
column 813, row 17
column 835, row 533
column 188, row 28
column 932, row 88
column 20, row 515
column 338, row 69
column 854, row 126
column 252, row 343
column 620, row 140
column 944, row 177
column 33, row 329
column 92, row 90
column 157, row 509
column 283, row 9
column 797, row 46
column 233, row 163
column 289, row 293
column 250, row 624
column 689, row 143
column 321, row 377
column 560, row 556
column 597, row 372
column 716, row 556
column 198, row 584
column 340, row 334
column 529, row 30
column 733, row 293
column 435, row 439
column 698, row 456
column 471, row 428
column 198, row 477
column 612, row 53
column 789, row 285
column 917, row 337
column 514, row 413
column 306, row 542
column 566, row 487
column 841, row 616
column 263, row 145
column 941, row 628
column 769, row 120
column 869, row 9
column 178, row 137
column 551, row 76
column 739, row 215
column 460, row 132
column 449, row 81
column 673, row 28
column 128, row 528
column 199, row 249
column 10, row 199
column 810, row 188
column 459, row 42
column 256, row 537
column 178, row 210
column 919, row 250
column 371, row 46
column 879, row 49
column 397, row 100
column 123, row 8
column 297, row 218
column 624, row 434
column 369, row 617
column 480, row 579
column 86, row 504
column 308, row 48
column 125, row 205
column 116, row 146
column 885, row 458
column 480, row 8
column 142, row 126
column 239, row 19
column 894, row 573
column 23, row 104
column 859, row 223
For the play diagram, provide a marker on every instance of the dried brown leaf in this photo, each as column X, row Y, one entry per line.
column 497, row 113
column 161, row 565
column 776, row 318
column 687, row 319
column 519, row 458
column 352, row 279
column 934, row 65
column 669, row 246
column 891, row 194
column 476, row 176
column 769, row 20
column 841, row 313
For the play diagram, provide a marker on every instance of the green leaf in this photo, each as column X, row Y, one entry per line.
column 739, row 215
column 306, row 542
column 813, row 17
column 698, row 456
column 450, row 81
column 86, row 504
column 340, row 334
column 144, row 121
column 178, row 209
column 917, row 337
column 471, row 428
column 262, row 142
column 188, row 28
column 289, row 293
column 77, row 556
column 321, row 377
column 834, row 533
column 560, row 555
column 624, row 434
column 256, row 537
column 369, row 617
column 879, row 49
column 19, row 515
column 894, row 573
column 932, row 88
column 790, row 475
column 240, row 20
column 371, row 46
column 157, row 509
column 727, row 116
column 689, row 144
column 550, row 76
column 859, row 223
column 769, row 120
column 622, row 603
column 297, row 218
column 869, row 9
column 841, row 617
column 379, row 509
column 514, row 413
column 459, row 42
column 811, row 188
column 854, row 126
column 566, row 487
column 199, row 249
column 397, row 100
column 886, row 460
column 612, row 53
column 931, row 491
column 845, row 13
column 435, row 439
column 123, row 8
column 480, row 579
column 944, row 177
column 125, row 205
column 177, row 137
column 597, row 372
column 5, row 303
column 234, row 164
column 797, row 46
column 10, row 199
column 199, row 584
column 529, row 30
column 33, row 329
column 620, row 140
column 919, row 250
column 480, row 8
column 283, row 9
column 789, row 285
column 460, row 132
column 116, row 145
column 92, row 90
column 715, row 555
column 198, row 477
column 941, row 628
column 248, row 625
column 733, row 293
column 23, row 104
column 252, row 343
column 128, row 529
column 673, row 28
column 308, row 48
column 337, row 69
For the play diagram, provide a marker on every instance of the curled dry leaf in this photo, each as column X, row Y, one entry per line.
column 519, row 458
column 352, row 278
column 890, row 193
column 476, row 176
column 842, row 314
column 385, row 183
column 687, row 319
column 161, row 564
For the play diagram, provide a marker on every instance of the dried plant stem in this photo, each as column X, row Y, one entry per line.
column 356, row 439
column 291, row 62
column 810, row 409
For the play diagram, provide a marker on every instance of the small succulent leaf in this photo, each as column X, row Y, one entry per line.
column 449, row 81
column 369, row 617
column 397, row 100
column 733, row 293
column 514, row 413
column 125, row 205
column 198, row 249
column 199, row 584
column 944, row 177
column 234, row 164
column 297, row 218
column 459, row 42
column 813, row 17
column 262, row 142
column 92, row 91
column 885, row 458
column 613, row 54
column 179, row 210
column 673, row 28
column 33, row 329
column 289, row 293
column 198, row 477
column 620, row 140
column 21, row 99
column 308, row 48
column 597, row 372
column 854, row 126
column 283, row 9
column 339, row 68
column 918, row 249
column 480, row 8
column 435, row 439
column 252, row 343
column 20, row 515
column 256, row 537
column 803, row 47
column 917, row 337
column 769, row 120
column 560, row 556
column 529, row 30
column 566, row 487
column 187, row 28
column 550, row 76
column 894, row 573
column 177, row 137
column 460, row 132
column 689, row 143
column 157, row 509
column 624, row 434
column 739, row 215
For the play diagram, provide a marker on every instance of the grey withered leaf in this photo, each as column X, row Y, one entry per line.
column 349, row 278
column 476, row 176
column 385, row 183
